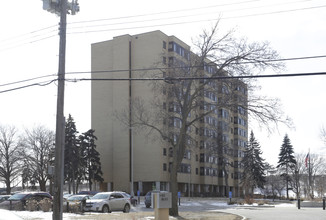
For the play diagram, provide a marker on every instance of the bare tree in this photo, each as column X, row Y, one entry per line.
column 274, row 183
column 317, row 166
column 38, row 143
column 323, row 134
column 187, row 82
column 297, row 174
column 10, row 158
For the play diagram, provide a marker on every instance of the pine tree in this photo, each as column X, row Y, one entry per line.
column 286, row 161
column 254, row 166
column 91, row 158
column 72, row 154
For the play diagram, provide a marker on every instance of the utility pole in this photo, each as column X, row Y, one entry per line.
column 60, row 7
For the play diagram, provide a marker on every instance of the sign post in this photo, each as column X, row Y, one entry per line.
column 230, row 196
column 161, row 202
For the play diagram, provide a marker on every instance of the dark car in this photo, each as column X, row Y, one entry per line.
column 4, row 198
column 76, row 200
column 133, row 200
column 18, row 200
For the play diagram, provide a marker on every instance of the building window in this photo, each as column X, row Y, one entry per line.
column 164, row 60
column 164, row 166
column 196, row 171
column 170, row 152
column 202, row 158
column 164, row 151
column 202, row 171
column 164, row 45
column 196, row 157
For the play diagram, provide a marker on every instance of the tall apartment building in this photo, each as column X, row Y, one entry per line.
column 133, row 156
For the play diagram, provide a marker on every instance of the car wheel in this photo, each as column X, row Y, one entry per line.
column 148, row 206
column 126, row 208
column 105, row 209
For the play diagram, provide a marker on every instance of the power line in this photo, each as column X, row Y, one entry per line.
column 30, row 42
column 171, row 68
column 29, row 85
column 168, row 18
column 155, row 68
column 202, row 78
column 164, row 12
column 25, row 80
column 197, row 21
column 32, row 32
column 157, row 25
column 171, row 79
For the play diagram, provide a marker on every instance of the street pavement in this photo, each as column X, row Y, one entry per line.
column 279, row 213
column 192, row 209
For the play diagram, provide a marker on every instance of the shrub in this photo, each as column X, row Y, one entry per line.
column 45, row 205
column 248, row 200
column 31, row 205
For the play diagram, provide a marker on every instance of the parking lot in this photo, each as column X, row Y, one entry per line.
column 189, row 209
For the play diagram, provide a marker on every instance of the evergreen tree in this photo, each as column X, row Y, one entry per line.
column 72, row 154
column 254, row 166
column 91, row 158
column 286, row 161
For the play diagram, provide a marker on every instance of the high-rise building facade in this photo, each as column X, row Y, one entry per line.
column 121, row 73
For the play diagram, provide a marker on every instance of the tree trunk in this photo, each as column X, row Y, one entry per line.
column 42, row 185
column 174, row 190
column 73, row 183
column 227, row 188
column 69, row 186
column 8, row 189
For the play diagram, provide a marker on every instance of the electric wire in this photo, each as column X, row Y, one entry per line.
column 202, row 77
column 171, row 68
column 31, row 32
column 148, row 26
column 195, row 21
column 29, row 85
column 26, row 80
column 171, row 79
column 159, row 13
column 169, row 18
column 153, row 68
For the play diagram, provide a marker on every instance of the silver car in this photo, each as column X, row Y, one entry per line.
column 108, row 202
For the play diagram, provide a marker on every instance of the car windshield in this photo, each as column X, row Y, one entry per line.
column 17, row 196
column 73, row 198
column 101, row 196
column 126, row 195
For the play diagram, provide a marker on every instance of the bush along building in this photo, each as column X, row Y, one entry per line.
column 150, row 94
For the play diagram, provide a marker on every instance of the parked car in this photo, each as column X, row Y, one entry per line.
column 91, row 193
column 78, row 199
column 108, row 202
column 66, row 195
column 133, row 200
column 4, row 198
column 18, row 200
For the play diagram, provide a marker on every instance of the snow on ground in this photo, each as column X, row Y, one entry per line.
column 39, row 215
column 26, row 215
column 285, row 205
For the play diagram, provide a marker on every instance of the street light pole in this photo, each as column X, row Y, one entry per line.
column 60, row 127
column 60, row 7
